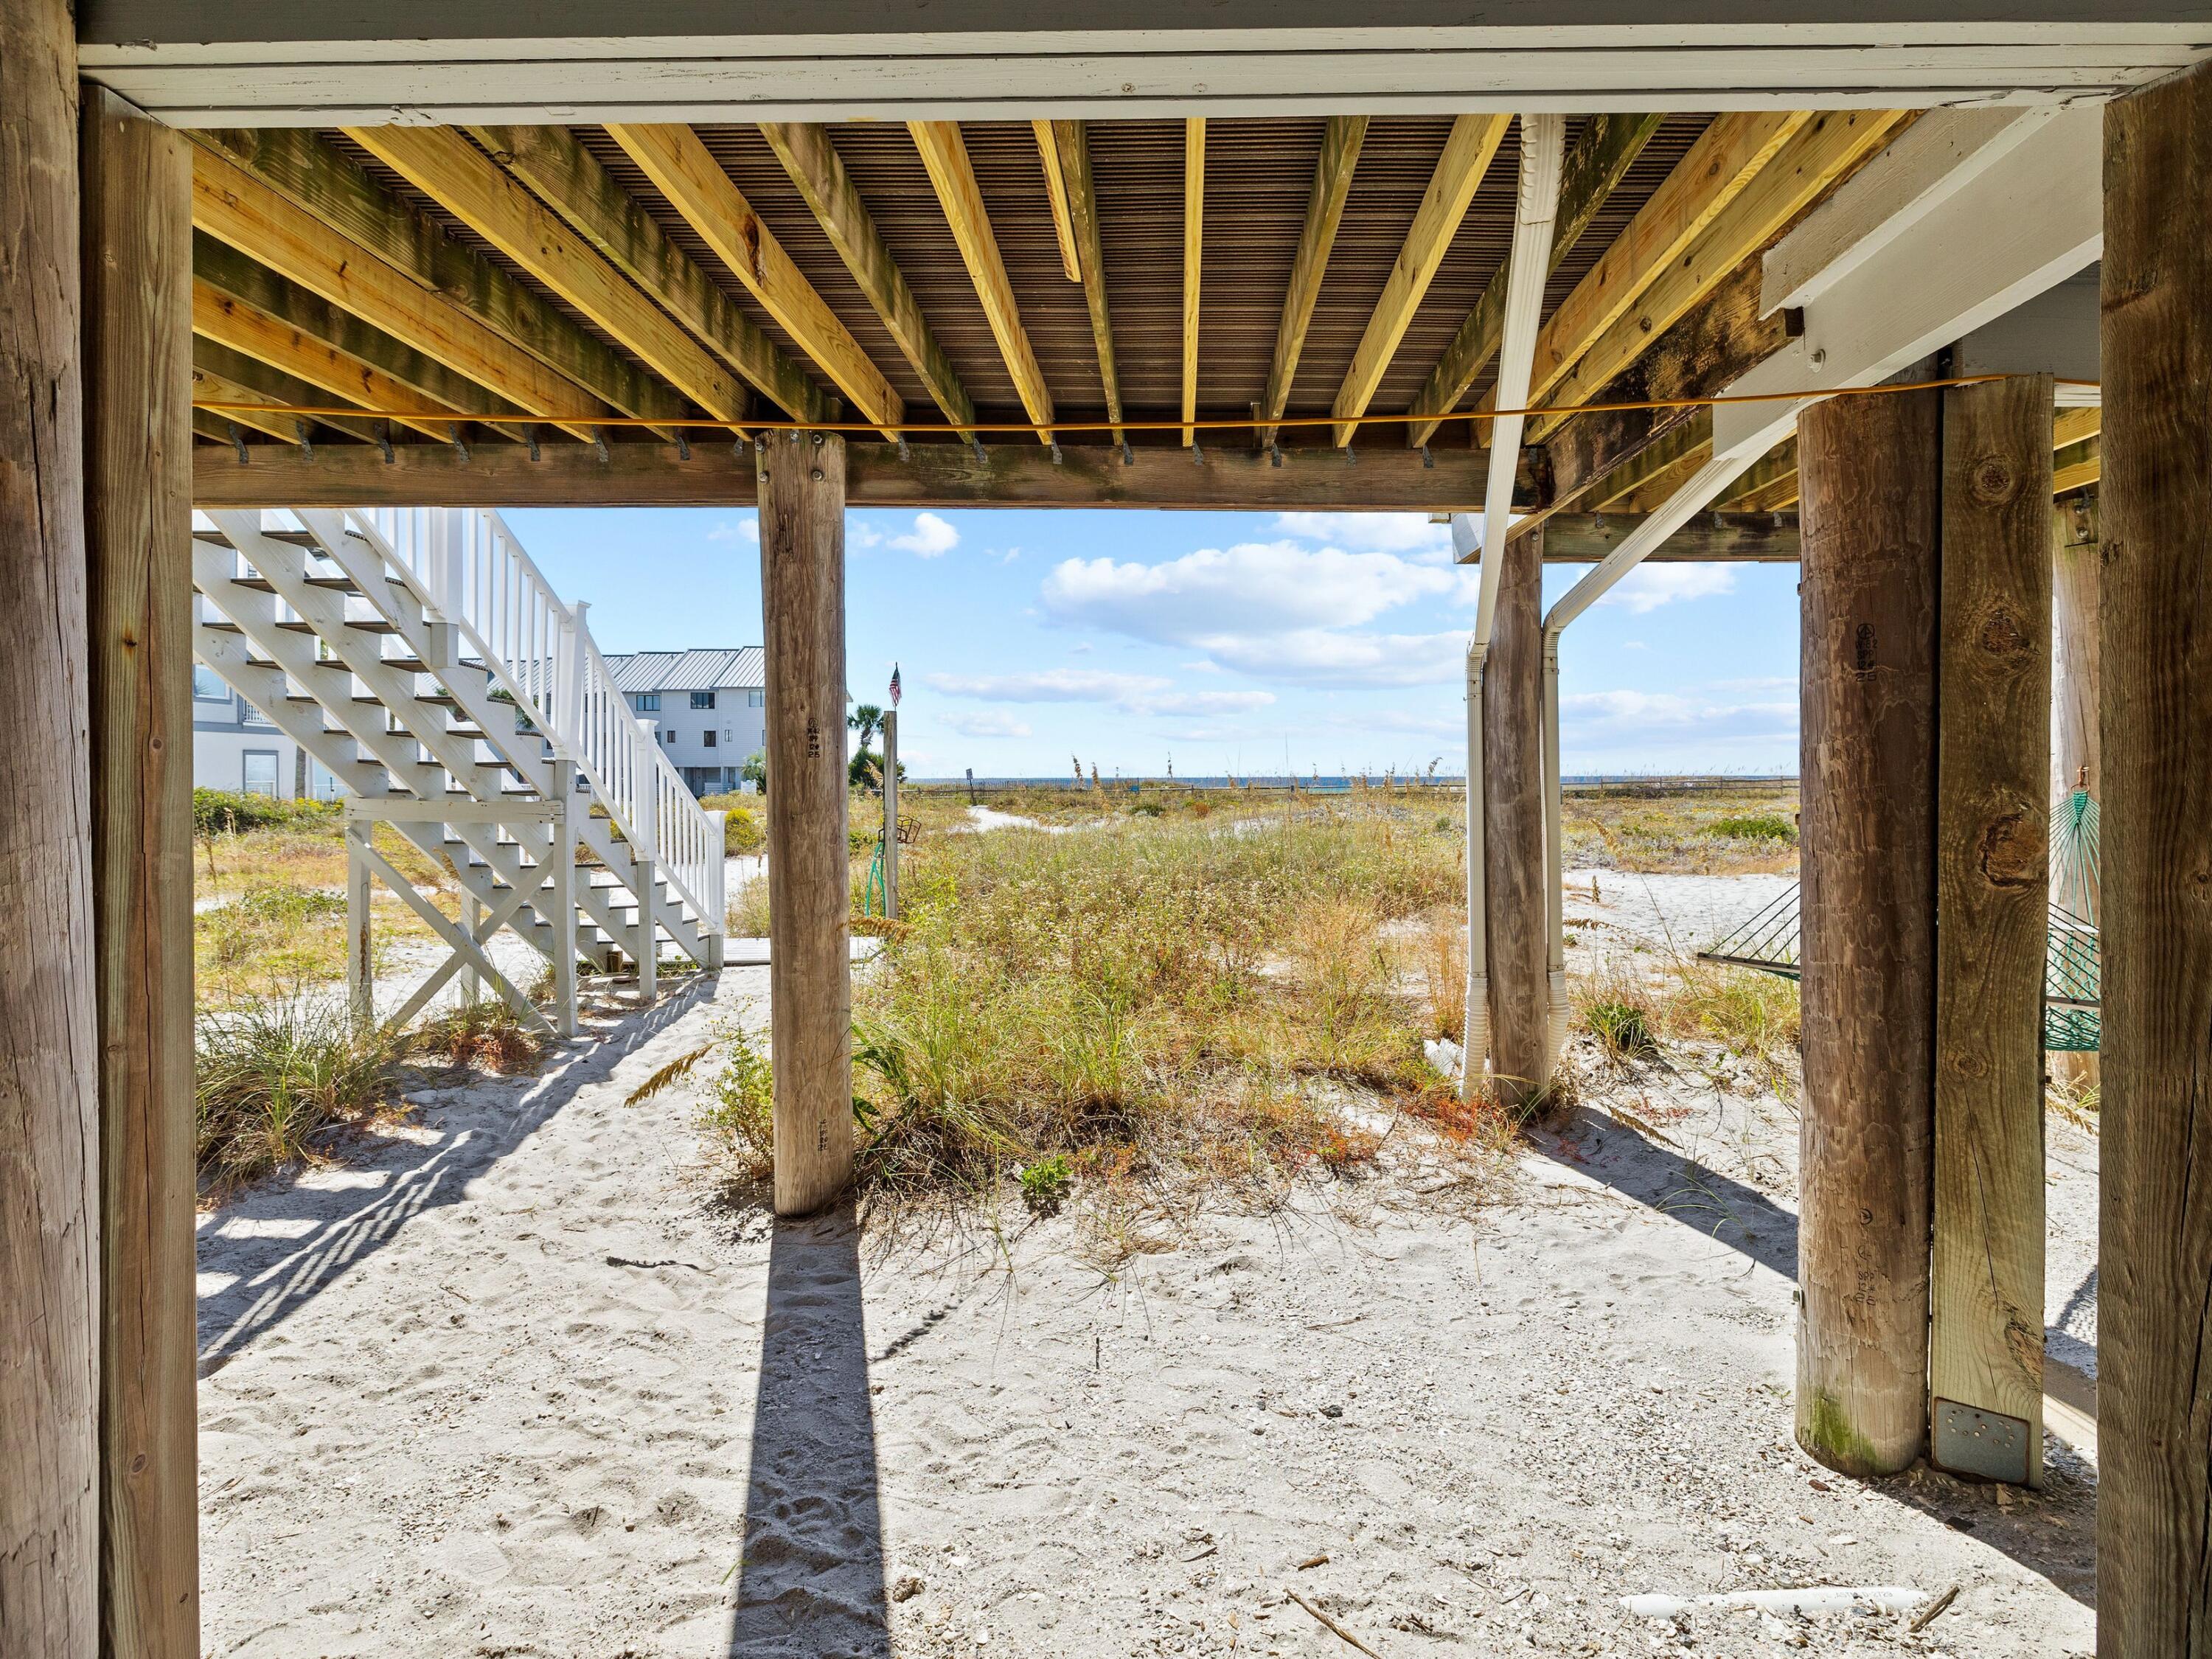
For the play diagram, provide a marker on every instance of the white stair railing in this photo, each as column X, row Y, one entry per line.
column 468, row 569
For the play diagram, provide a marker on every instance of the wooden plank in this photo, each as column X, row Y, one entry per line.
column 221, row 374
column 1826, row 147
column 137, row 446
column 50, row 1120
column 2154, row 1490
column 693, row 181
column 2077, row 704
column 1867, row 781
column 1073, row 148
column 1194, row 262
column 229, row 272
column 1514, row 867
column 2071, row 426
column 939, row 475
column 944, row 156
column 801, row 489
column 1609, row 144
column 1992, row 895
column 227, row 322
column 2078, row 465
column 233, row 206
column 830, row 194
column 1331, row 184
column 1769, row 483
column 1467, row 153
column 1056, row 191
column 1690, row 441
column 1654, row 491
column 1709, row 538
column 333, row 189
column 445, row 166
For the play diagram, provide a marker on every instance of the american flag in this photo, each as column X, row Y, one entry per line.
column 895, row 685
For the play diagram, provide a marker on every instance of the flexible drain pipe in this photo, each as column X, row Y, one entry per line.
column 1543, row 143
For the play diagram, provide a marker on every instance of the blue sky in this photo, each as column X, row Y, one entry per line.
column 1228, row 642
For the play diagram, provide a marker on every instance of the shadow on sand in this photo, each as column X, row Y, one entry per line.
column 292, row 1243
column 2057, row 1544
column 812, row 1581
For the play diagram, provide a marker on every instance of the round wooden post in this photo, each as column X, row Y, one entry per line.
column 2154, row 1417
column 137, row 182
column 802, row 526
column 1871, row 470
column 1513, row 829
column 49, row 1035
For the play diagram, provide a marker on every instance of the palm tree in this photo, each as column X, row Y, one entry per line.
column 865, row 768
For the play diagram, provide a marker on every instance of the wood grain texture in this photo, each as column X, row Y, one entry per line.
column 49, row 1031
column 1072, row 145
column 1514, row 870
column 2078, row 467
column 1467, row 157
column 1610, row 142
column 1992, row 889
column 138, row 368
column 1867, row 768
column 333, row 189
column 1193, row 260
column 952, row 176
column 801, row 481
column 221, row 374
column 1341, row 143
column 819, row 173
column 2155, row 1330
column 2076, row 704
column 1056, row 191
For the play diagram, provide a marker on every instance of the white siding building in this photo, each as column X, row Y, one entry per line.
column 234, row 748
column 709, row 709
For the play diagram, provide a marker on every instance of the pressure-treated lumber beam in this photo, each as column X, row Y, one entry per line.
column 1331, row 184
column 1468, row 152
column 2078, row 465
column 1770, row 483
column 319, row 322
column 241, row 327
column 50, row 1387
column 801, row 489
column 2071, row 426
column 1654, row 492
column 1780, row 186
column 1513, row 831
column 333, row 189
column 1056, row 191
column 952, row 175
column 137, row 447
column 1193, row 261
column 222, row 375
column 1867, row 773
column 1072, row 144
column 445, row 166
column 1992, row 895
column 930, row 475
column 236, row 207
column 819, row 173
column 2076, row 676
column 1609, row 144
column 2154, row 1491
column 680, row 169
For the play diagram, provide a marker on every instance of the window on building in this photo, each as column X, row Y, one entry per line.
column 702, row 699
column 207, row 684
column 249, row 715
column 259, row 777
column 708, row 739
column 757, row 698
column 668, row 736
column 648, row 702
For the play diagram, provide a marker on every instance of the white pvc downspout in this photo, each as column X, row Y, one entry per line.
column 1543, row 144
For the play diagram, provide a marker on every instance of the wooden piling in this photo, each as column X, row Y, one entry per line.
column 1871, row 472
column 49, row 1031
column 2076, row 703
column 1992, row 896
column 2155, row 1417
column 802, row 525
column 1513, row 829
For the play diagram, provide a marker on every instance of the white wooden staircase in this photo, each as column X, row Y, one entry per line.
column 418, row 655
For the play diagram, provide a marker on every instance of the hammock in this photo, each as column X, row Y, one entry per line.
column 1768, row 942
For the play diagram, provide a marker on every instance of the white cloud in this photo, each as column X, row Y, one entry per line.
column 1651, row 586
column 1204, row 702
column 1254, row 587
column 1049, row 685
column 746, row 529
column 930, row 538
column 1371, row 532
column 1323, row 657
column 987, row 723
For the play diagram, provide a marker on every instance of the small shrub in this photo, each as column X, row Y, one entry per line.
column 230, row 812
column 740, row 1113
column 1758, row 826
column 273, row 1080
column 1620, row 1028
column 744, row 826
column 1146, row 809
column 486, row 1033
column 1045, row 1184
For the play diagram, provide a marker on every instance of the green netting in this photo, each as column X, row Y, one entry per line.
column 1768, row 941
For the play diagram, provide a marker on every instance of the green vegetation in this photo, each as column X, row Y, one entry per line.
column 744, row 830
column 486, row 1034
column 274, row 1081
column 1757, row 826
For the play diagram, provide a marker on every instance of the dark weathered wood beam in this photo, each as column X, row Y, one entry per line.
column 1610, row 142
column 1332, row 184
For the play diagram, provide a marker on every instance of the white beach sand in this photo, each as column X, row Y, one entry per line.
column 507, row 1382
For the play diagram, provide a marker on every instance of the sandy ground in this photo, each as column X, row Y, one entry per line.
column 508, row 1381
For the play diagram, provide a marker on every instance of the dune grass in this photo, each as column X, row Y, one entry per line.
column 274, row 1081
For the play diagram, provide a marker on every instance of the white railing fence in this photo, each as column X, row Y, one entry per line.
column 467, row 568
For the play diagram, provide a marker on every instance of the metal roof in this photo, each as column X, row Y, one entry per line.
column 740, row 669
